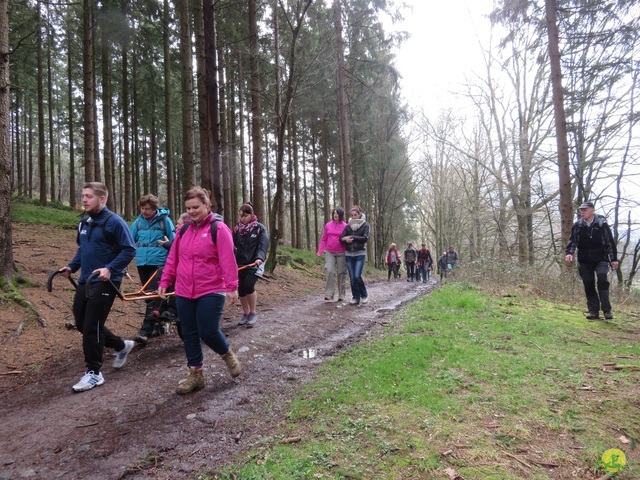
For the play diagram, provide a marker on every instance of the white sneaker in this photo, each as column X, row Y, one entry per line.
column 121, row 356
column 353, row 301
column 88, row 381
column 364, row 300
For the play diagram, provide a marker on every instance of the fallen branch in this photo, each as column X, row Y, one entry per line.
column 517, row 459
column 290, row 440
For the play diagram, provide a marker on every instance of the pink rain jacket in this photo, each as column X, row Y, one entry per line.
column 196, row 266
column 331, row 238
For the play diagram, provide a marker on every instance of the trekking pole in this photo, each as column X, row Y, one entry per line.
column 51, row 277
column 247, row 266
column 95, row 275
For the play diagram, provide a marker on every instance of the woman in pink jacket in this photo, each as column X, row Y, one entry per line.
column 333, row 250
column 203, row 268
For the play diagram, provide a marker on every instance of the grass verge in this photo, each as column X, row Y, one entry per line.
column 54, row 214
column 466, row 384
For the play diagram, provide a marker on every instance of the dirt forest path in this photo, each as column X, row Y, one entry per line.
column 135, row 426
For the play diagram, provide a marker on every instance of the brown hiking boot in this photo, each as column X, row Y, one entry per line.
column 608, row 315
column 193, row 383
column 232, row 362
column 592, row 316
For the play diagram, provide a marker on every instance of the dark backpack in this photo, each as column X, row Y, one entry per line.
column 162, row 226
column 108, row 236
column 214, row 230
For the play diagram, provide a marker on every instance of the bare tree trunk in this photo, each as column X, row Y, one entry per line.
column 564, row 174
column 188, row 143
column 233, row 143
column 71, row 116
column 198, row 21
column 18, row 148
column 168, row 109
column 241, row 121
column 107, row 115
column 89, row 94
column 256, row 121
column 316, row 225
column 211, row 91
column 345, row 147
column 153, row 154
column 6, row 232
column 52, row 164
column 42, row 156
column 128, row 198
column 224, row 140
column 296, row 224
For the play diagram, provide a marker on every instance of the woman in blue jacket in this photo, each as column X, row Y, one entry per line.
column 152, row 227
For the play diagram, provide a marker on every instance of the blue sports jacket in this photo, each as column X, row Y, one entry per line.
column 146, row 234
column 104, row 240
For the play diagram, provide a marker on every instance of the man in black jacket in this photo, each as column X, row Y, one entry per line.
column 596, row 251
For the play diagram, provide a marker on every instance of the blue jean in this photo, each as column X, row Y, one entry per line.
column 424, row 271
column 200, row 319
column 355, row 265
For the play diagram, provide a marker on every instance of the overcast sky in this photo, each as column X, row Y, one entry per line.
column 444, row 48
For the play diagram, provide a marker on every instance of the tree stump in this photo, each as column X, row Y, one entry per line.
column 283, row 260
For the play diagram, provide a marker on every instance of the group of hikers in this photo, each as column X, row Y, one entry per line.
column 343, row 245
column 199, row 265
column 344, row 248
column 195, row 268
column 418, row 263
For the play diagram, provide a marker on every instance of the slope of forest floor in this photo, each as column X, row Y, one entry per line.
column 135, row 426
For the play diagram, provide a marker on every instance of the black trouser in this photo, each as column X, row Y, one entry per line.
column 411, row 270
column 90, row 315
column 145, row 272
column 600, row 298
column 393, row 268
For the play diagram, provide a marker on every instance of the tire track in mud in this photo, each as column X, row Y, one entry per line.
column 135, row 426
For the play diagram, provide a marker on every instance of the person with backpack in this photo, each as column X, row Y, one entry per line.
column 410, row 255
column 152, row 227
column 251, row 241
column 443, row 266
column 202, row 268
column 424, row 263
column 452, row 258
column 392, row 259
column 334, row 262
column 355, row 237
column 597, row 250
column 105, row 248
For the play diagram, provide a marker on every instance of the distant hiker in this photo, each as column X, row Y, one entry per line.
column 334, row 262
column 452, row 258
column 152, row 226
column 105, row 248
column 443, row 266
column 392, row 259
column 410, row 255
column 251, row 242
column 205, row 274
column 355, row 237
column 424, row 263
column 592, row 237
